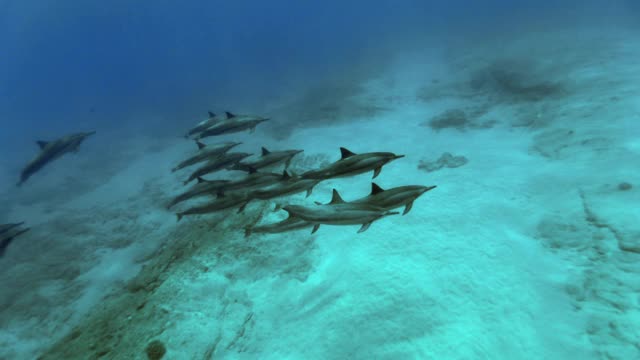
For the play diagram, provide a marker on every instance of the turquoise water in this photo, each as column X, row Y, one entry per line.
column 524, row 115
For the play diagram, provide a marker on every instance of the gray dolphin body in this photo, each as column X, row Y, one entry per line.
column 222, row 202
column 52, row 150
column 223, row 161
column 204, row 124
column 254, row 180
column 288, row 224
column 203, row 187
column 6, row 237
column 338, row 212
column 289, row 186
column 353, row 164
column 395, row 197
column 269, row 159
column 205, row 153
column 233, row 124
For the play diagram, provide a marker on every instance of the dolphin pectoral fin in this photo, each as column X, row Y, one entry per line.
column 364, row 227
column 265, row 151
column 252, row 130
column 247, row 231
column 407, row 208
column 277, row 207
column 42, row 144
column 241, row 209
column 309, row 191
column 179, row 215
column 376, row 172
column 200, row 144
column 315, row 228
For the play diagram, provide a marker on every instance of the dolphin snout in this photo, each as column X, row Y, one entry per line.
column 428, row 188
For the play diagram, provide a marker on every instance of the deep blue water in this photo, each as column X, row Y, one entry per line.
column 73, row 65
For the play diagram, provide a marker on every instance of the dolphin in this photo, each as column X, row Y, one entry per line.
column 255, row 179
column 204, row 124
column 223, row 161
column 269, row 159
column 291, row 185
column 52, row 150
column 203, row 187
column 8, row 236
column 222, row 202
column 233, row 124
column 6, row 227
column 288, row 224
column 353, row 164
column 393, row 198
column 206, row 152
column 338, row 212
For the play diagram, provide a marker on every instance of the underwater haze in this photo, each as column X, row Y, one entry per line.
column 320, row 180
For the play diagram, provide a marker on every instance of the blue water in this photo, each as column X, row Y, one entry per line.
column 142, row 73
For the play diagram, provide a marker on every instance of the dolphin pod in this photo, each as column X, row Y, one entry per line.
column 257, row 184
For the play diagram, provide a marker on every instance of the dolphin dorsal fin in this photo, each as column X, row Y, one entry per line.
column 252, row 170
column 336, row 198
column 285, row 175
column 200, row 179
column 42, row 143
column 375, row 189
column 211, row 115
column 200, row 145
column 229, row 115
column 346, row 153
column 265, row 151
